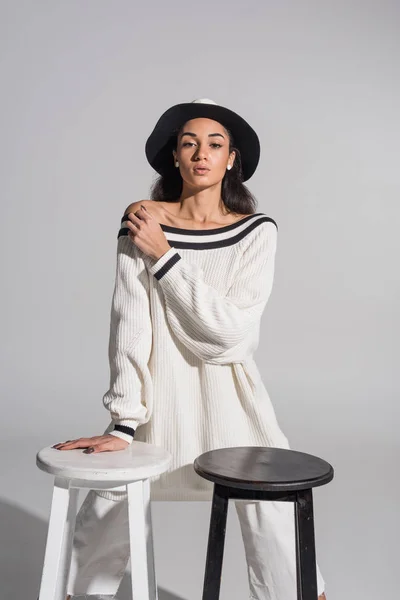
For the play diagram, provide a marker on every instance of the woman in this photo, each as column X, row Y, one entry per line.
column 195, row 267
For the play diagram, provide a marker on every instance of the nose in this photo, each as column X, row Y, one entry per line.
column 201, row 152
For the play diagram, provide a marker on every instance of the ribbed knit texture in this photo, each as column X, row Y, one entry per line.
column 182, row 336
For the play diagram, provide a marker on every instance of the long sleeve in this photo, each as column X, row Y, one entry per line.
column 217, row 328
column 130, row 395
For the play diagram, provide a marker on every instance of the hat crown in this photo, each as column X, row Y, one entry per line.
column 204, row 101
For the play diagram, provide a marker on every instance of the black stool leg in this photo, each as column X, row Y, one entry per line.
column 216, row 540
column 305, row 546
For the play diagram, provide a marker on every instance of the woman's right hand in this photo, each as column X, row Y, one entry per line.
column 97, row 443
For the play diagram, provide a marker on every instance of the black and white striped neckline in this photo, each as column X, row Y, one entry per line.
column 204, row 239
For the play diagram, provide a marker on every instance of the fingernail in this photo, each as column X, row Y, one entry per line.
column 144, row 208
column 89, row 450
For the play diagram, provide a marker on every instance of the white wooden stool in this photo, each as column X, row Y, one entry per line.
column 126, row 470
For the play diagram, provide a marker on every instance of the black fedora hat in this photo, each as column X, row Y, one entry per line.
column 159, row 144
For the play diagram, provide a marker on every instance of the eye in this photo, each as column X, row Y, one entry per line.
column 192, row 143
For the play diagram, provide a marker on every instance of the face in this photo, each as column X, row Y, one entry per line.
column 203, row 143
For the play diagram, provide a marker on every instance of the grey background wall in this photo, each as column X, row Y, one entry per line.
column 82, row 85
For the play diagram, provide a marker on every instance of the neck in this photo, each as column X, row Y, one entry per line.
column 202, row 206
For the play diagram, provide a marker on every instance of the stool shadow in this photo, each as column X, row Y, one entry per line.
column 22, row 545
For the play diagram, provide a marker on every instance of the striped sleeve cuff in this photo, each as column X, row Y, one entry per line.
column 123, row 432
column 165, row 263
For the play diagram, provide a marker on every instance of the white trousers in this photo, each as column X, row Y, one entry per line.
column 101, row 548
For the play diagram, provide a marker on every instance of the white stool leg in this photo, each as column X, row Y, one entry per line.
column 141, row 542
column 149, row 541
column 66, row 554
column 55, row 543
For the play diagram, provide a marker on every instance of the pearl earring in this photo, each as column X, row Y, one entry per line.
column 176, row 163
column 229, row 167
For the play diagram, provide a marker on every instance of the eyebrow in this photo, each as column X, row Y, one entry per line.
column 195, row 135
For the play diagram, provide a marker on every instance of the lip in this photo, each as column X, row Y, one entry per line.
column 201, row 170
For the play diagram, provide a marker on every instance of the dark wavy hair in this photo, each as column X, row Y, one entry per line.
column 236, row 197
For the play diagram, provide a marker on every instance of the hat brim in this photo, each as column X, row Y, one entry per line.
column 158, row 146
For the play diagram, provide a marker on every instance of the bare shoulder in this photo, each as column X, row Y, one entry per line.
column 150, row 205
column 136, row 205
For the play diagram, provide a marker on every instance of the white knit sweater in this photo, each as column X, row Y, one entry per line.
column 182, row 336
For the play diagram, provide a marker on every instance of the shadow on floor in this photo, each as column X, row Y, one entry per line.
column 23, row 539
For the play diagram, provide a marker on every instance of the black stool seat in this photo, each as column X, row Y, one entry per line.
column 259, row 468
column 265, row 474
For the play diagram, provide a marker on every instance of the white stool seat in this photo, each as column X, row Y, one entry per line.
column 138, row 461
column 128, row 470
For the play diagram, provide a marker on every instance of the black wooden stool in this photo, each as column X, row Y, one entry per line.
column 258, row 473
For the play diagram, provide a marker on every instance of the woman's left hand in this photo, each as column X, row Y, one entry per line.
column 146, row 233
column 96, row 443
